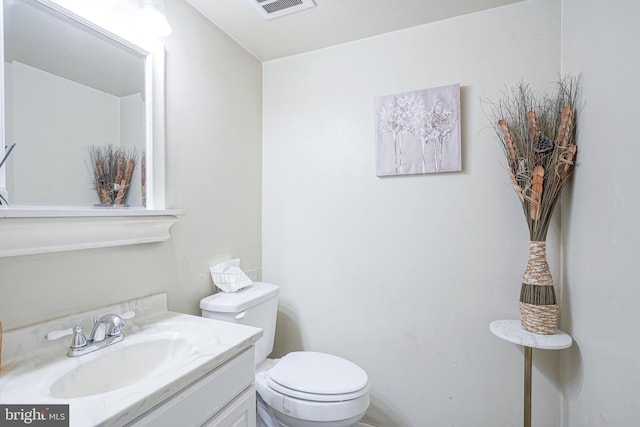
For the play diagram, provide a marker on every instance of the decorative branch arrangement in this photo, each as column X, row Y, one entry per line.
column 538, row 136
column 112, row 171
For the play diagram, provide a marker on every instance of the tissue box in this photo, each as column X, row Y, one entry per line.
column 229, row 277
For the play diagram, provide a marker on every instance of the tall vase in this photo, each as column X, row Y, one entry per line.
column 538, row 304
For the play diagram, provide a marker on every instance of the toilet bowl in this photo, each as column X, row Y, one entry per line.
column 303, row 388
column 310, row 389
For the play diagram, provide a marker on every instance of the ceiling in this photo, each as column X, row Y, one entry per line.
column 330, row 23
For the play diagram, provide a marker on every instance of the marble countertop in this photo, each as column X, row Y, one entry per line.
column 31, row 364
column 512, row 331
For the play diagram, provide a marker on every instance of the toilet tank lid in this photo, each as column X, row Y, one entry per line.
column 235, row 302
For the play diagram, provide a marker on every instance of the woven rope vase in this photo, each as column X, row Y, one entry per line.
column 538, row 304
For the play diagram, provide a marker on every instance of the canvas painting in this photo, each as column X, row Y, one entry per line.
column 418, row 132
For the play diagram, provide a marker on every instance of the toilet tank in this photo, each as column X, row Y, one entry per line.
column 256, row 305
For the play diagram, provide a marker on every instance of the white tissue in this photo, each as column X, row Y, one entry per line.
column 228, row 276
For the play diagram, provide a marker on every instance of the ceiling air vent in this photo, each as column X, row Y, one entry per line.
column 270, row 9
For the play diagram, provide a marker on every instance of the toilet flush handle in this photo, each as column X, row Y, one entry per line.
column 240, row 315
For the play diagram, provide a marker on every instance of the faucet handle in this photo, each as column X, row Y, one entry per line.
column 57, row 334
column 118, row 325
column 78, row 340
column 118, row 322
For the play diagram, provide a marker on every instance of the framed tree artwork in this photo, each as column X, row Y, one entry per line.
column 418, row 132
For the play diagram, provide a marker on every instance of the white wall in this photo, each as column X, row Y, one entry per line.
column 601, row 372
column 214, row 153
column 214, row 98
column 403, row 275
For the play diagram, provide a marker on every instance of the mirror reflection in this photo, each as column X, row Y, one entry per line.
column 71, row 93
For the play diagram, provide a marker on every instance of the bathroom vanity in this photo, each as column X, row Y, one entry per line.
column 171, row 369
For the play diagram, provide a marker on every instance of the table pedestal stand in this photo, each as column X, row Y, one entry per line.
column 511, row 330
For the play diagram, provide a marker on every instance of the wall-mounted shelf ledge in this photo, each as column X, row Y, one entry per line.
column 512, row 331
column 27, row 230
column 73, row 212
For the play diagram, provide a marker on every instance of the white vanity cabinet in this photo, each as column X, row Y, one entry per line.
column 224, row 397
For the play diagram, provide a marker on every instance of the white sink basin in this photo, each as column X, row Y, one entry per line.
column 119, row 366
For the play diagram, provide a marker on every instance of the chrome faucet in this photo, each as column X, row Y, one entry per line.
column 107, row 330
column 108, row 325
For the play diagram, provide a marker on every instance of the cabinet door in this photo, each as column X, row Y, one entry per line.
column 240, row 413
column 205, row 398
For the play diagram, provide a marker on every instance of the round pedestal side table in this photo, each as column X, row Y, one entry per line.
column 511, row 330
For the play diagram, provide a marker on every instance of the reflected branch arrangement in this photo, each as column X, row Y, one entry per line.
column 112, row 171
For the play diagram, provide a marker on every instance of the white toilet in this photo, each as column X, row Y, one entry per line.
column 302, row 389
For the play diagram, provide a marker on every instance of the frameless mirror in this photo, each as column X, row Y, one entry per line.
column 79, row 105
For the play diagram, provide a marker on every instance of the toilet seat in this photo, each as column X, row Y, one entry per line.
column 317, row 377
column 302, row 387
